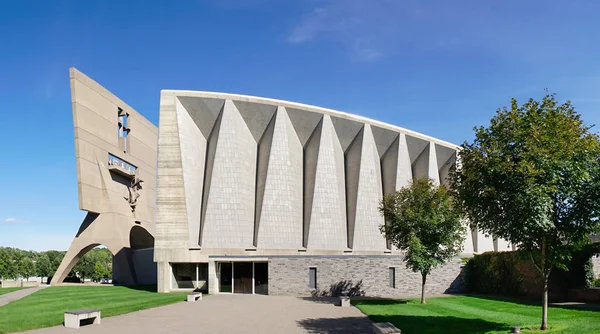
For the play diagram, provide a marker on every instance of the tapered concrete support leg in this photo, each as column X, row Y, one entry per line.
column 164, row 274
column 73, row 256
column 213, row 278
column 110, row 230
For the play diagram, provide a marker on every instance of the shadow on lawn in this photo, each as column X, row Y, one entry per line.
column 147, row 288
column 410, row 324
column 407, row 324
column 344, row 325
column 535, row 302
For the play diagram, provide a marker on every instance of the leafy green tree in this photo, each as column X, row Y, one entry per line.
column 102, row 270
column 27, row 267
column 422, row 221
column 43, row 265
column 5, row 263
column 532, row 177
column 86, row 266
column 55, row 258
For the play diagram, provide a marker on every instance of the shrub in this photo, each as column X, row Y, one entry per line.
column 494, row 273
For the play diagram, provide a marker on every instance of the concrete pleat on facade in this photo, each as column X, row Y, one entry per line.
column 325, row 212
column 396, row 171
column 228, row 221
column 279, row 186
column 364, row 191
column 446, row 158
column 196, row 120
column 260, row 121
column 193, row 153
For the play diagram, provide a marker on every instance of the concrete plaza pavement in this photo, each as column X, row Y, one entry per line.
column 234, row 314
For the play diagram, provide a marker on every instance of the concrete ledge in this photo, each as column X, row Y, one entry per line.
column 344, row 301
column 73, row 318
column 385, row 328
column 193, row 296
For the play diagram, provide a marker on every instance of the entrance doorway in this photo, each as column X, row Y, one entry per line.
column 243, row 277
column 226, row 275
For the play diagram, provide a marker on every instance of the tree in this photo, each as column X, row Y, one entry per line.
column 421, row 220
column 86, row 266
column 101, row 270
column 27, row 267
column 5, row 263
column 532, row 177
column 43, row 265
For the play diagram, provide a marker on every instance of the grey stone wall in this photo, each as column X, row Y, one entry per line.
column 363, row 275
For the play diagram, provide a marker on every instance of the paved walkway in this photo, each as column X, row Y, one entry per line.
column 12, row 296
column 234, row 314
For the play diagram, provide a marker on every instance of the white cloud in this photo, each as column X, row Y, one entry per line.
column 13, row 220
column 373, row 29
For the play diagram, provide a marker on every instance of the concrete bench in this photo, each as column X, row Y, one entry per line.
column 193, row 296
column 385, row 328
column 73, row 318
column 344, row 301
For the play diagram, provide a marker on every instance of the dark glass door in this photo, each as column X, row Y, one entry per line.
column 242, row 277
column 225, row 282
column 261, row 278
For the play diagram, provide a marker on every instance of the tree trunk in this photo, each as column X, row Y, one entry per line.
column 424, row 276
column 545, row 305
column 545, row 274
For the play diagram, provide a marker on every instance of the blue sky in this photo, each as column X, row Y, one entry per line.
column 438, row 67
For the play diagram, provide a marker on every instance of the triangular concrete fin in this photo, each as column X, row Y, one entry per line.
column 444, row 154
column 416, row 146
column 383, row 138
column 304, row 123
column 311, row 159
column 346, row 130
column 353, row 161
column 263, row 155
column 213, row 139
column 204, row 111
column 256, row 115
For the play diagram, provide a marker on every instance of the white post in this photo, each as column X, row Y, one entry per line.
column 252, row 277
column 197, row 282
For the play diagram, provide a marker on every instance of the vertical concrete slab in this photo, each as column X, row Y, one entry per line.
column 484, row 243
column 193, row 153
column 229, row 216
column 426, row 164
column 171, row 213
column 364, row 193
column 446, row 158
column 325, row 197
column 279, row 186
column 396, row 166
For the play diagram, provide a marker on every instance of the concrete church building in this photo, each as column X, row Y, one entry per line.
column 253, row 195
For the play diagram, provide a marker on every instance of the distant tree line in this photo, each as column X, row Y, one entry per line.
column 17, row 263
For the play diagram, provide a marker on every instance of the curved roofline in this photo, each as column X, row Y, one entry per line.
column 308, row 107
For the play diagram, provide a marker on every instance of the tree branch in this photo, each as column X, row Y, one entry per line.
column 536, row 266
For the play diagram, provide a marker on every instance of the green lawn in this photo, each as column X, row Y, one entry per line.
column 7, row 290
column 45, row 308
column 466, row 314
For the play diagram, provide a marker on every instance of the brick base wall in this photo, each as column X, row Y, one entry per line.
column 358, row 275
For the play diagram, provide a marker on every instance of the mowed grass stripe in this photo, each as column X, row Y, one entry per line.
column 45, row 308
column 471, row 314
column 4, row 291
